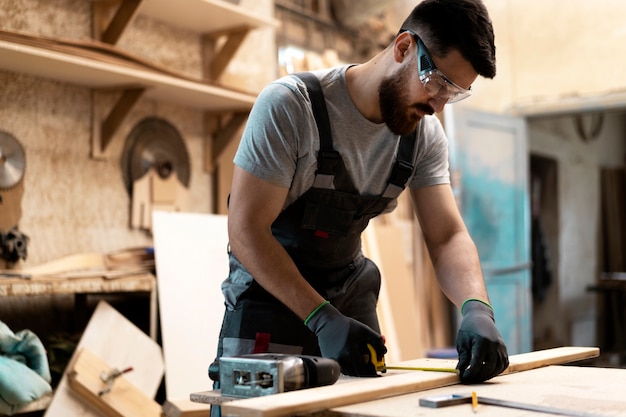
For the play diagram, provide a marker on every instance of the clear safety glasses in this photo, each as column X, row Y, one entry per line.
column 436, row 84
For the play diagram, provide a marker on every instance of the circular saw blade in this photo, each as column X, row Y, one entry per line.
column 12, row 161
column 152, row 143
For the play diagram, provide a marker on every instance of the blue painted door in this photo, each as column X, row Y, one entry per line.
column 489, row 164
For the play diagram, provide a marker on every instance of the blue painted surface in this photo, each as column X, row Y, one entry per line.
column 491, row 159
column 494, row 213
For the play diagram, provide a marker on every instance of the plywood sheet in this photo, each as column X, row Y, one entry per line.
column 392, row 384
column 191, row 262
column 595, row 391
column 118, row 342
column 400, row 325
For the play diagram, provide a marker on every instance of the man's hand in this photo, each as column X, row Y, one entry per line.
column 345, row 340
column 482, row 353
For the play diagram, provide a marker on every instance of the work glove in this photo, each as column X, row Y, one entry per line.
column 345, row 340
column 482, row 353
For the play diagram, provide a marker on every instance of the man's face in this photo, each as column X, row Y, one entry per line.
column 399, row 112
column 403, row 97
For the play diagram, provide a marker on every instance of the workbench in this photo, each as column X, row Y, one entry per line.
column 583, row 389
column 82, row 286
column 537, row 378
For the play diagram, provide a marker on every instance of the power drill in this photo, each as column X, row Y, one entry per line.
column 260, row 374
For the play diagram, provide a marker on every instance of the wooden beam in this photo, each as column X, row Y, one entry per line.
column 391, row 384
column 110, row 31
column 216, row 61
column 226, row 133
column 219, row 130
column 104, row 130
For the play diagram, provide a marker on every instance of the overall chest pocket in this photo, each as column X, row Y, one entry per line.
column 339, row 213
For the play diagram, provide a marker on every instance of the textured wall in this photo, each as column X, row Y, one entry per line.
column 72, row 203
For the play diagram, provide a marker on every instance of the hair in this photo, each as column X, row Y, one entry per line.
column 463, row 25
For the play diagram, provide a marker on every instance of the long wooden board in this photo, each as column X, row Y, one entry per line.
column 392, row 384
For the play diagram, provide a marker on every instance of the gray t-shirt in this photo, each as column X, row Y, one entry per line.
column 280, row 141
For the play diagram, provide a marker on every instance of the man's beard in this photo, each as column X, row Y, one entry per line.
column 397, row 113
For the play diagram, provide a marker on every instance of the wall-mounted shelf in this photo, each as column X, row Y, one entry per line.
column 204, row 16
column 89, row 65
column 91, row 73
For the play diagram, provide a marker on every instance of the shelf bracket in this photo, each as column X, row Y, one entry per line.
column 216, row 61
column 221, row 132
column 110, row 30
column 103, row 130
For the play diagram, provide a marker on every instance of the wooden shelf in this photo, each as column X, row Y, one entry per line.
column 204, row 16
column 69, row 64
column 90, row 73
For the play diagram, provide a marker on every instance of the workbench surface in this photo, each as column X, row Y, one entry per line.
column 598, row 391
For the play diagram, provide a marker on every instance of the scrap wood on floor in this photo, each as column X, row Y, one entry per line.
column 119, row 343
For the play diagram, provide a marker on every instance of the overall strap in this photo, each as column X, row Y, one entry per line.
column 319, row 108
column 329, row 163
column 403, row 168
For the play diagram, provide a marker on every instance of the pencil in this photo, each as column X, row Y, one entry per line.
column 474, row 402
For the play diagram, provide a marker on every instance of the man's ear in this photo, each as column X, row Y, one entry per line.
column 402, row 46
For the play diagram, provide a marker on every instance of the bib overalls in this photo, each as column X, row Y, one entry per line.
column 321, row 231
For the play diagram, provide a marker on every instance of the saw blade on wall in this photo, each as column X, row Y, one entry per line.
column 12, row 161
column 154, row 142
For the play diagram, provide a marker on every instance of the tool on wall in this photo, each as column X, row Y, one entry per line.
column 156, row 169
column 12, row 161
column 467, row 398
column 13, row 243
column 260, row 374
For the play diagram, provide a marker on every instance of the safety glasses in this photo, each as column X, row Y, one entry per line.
column 436, row 84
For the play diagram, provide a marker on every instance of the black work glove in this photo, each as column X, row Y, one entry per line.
column 345, row 340
column 482, row 353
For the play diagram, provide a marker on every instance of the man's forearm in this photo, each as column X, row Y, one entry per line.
column 458, row 270
column 273, row 269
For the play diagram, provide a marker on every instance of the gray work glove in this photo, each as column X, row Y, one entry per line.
column 482, row 353
column 345, row 340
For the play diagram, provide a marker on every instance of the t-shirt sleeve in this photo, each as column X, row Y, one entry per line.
column 432, row 164
column 269, row 144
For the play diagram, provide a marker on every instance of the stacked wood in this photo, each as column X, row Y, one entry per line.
column 613, row 219
column 414, row 313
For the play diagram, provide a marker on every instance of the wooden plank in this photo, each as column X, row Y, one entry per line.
column 119, row 398
column 597, row 391
column 185, row 408
column 101, row 70
column 191, row 262
column 119, row 343
column 392, row 384
column 383, row 244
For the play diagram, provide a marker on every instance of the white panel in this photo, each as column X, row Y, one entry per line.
column 191, row 262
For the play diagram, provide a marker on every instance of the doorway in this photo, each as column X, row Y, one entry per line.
column 543, row 181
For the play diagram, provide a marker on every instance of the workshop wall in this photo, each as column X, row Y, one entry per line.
column 72, row 203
